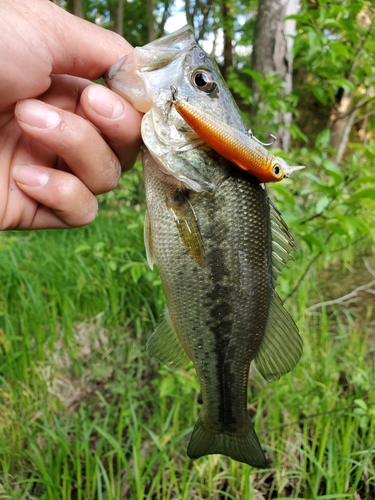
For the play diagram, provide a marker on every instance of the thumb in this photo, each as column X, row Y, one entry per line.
column 39, row 38
column 81, row 48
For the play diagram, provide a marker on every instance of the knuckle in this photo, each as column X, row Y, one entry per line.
column 109, row 176
column 89, row 213
column 81, row 210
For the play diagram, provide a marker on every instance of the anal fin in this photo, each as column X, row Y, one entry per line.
column 165, row 346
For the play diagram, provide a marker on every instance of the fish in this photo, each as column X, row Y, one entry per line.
column 218, row 241
column 243, row 149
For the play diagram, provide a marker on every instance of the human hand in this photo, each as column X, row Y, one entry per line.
column 62, row 139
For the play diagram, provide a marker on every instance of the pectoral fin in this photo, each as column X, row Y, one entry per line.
column 187, row 225
column 282, row 345
column 148, row 242
column 165, row 346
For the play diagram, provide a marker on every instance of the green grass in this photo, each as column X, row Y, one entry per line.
column 86, row 414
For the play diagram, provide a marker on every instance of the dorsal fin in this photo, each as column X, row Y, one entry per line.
column 282, row 242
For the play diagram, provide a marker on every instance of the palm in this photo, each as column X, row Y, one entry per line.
column 50, row 175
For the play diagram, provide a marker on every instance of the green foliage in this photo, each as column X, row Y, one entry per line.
column 134, row 23
column 209, row 19
column 272, row 102
column 330, row 203
column 335, row 35
column 333, row 56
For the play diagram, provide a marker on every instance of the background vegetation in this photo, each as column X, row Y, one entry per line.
column 85, row 413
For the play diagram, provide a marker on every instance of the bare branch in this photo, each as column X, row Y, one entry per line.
column 349, row 296
column 312, row 261
column 368, row 266
column 206, row 13
column 367, row 115
column 345, row 298
column 361, row 103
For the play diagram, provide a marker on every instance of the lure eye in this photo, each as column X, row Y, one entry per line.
column 204, row 80
column 277, row 170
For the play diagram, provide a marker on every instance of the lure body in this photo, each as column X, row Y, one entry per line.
column 244, row 150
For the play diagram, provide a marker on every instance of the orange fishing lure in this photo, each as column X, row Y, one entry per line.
column 244, row 150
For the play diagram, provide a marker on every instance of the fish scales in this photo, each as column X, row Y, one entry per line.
column 217, row 241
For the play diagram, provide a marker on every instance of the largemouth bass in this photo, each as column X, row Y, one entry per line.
column 218, row 241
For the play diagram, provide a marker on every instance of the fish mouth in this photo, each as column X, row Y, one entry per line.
column 123, row 77
column 118, row 67
column 139, row 74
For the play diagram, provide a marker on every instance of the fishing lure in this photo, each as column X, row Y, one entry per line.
column 244, row 150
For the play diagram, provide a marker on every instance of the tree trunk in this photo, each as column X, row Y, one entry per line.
column 340, row 124
column 272, row 53
column 78, row 8
column 160, row 25
column 150, row 20
column 75, row 7
column 342, row 119
column 189, row 16
column 228, row 28
column 119, row 26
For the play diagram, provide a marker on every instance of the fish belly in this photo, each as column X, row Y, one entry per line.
column 219, row 305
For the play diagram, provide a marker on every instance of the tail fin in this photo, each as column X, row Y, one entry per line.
column 242, row 447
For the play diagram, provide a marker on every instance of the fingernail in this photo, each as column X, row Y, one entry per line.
column 37, row 114
column 31, row 176
column 105, row 102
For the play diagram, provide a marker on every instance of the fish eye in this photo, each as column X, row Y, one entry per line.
column 277, row 170
column 204, row 80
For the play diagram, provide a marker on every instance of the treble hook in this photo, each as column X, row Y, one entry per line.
column 266, row 144
column 174, row 93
